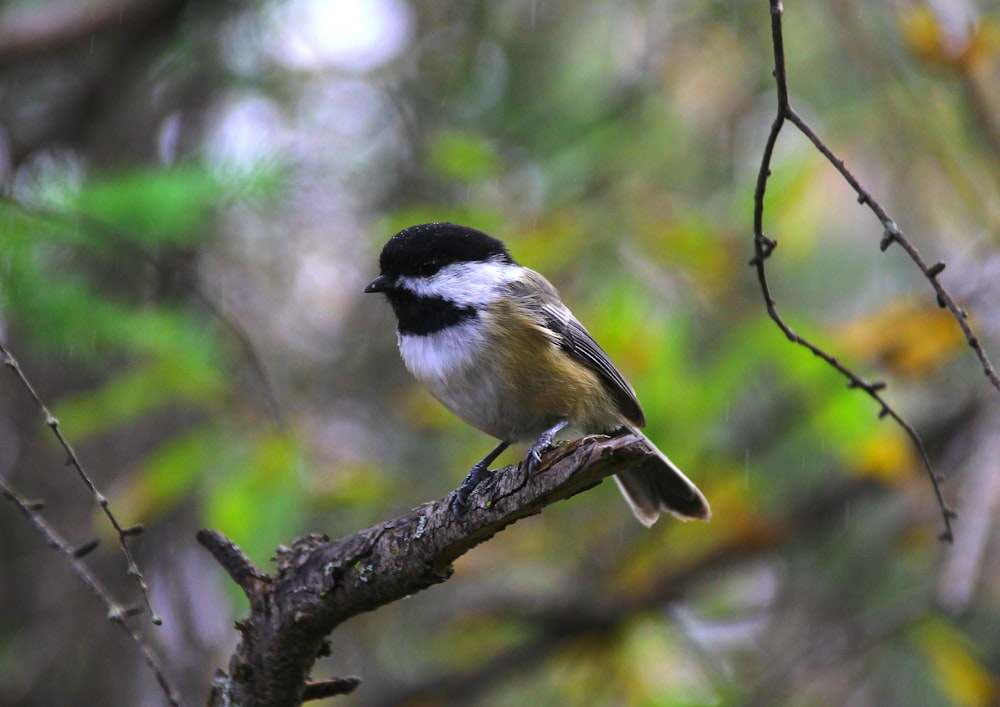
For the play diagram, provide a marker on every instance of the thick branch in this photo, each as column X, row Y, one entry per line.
column 553, row 624
column 321, row 583
column 238, row 566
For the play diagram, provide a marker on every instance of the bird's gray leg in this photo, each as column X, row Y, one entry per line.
column 543, row 442
column 479, row 472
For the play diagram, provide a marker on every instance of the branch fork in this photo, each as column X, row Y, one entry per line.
column 319, row 583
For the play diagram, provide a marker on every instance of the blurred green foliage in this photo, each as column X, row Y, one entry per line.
column 614, row 147
column 72, row 282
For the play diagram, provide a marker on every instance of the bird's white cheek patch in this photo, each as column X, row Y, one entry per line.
column 465, row 284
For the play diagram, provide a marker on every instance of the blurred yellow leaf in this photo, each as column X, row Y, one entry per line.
column 736, row 522
column 911, row 339
column 959, row 673
column 928, row 40
column 923, row 34
column 738, row 518
column 886, row 455
column 799, row 202
column 983, row 46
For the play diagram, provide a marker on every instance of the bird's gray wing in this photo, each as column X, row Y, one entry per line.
column 576, row 341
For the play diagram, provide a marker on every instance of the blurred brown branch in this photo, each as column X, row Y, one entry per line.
column 578, row 615
column 321, row 583
column 46, row 27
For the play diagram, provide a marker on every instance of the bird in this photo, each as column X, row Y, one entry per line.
column 493, row 342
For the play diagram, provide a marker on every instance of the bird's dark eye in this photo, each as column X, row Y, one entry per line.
column 429, row 267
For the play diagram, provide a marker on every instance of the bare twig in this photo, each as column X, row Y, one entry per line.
column 764, row 247
column 240, row 568
column 73, row 461
column 321, row 689
column 893, row 234
column 116, row 613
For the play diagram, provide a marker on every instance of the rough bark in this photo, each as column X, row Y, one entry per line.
column 320, row 583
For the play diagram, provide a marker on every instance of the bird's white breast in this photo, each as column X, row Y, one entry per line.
column 434, row 358
column 458, row 368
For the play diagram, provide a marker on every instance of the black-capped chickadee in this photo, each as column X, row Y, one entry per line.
column 496, row 345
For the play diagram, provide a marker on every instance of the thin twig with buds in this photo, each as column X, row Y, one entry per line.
column 116, row 613
column 72, row 460
column 764, row 247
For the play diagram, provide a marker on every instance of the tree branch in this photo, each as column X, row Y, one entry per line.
column 73, row 461
column 552, row 625
column 116, row 613
column 34, row 29
column 764, row 247
column 321, row 583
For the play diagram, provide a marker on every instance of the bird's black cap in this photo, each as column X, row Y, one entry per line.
column 424, row 249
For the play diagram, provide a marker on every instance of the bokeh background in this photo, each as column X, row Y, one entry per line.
column 195, row 194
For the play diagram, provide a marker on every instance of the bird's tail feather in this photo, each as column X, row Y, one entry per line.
column 657, row 485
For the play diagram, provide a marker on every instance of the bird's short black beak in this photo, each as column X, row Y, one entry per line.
column 379, row 284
